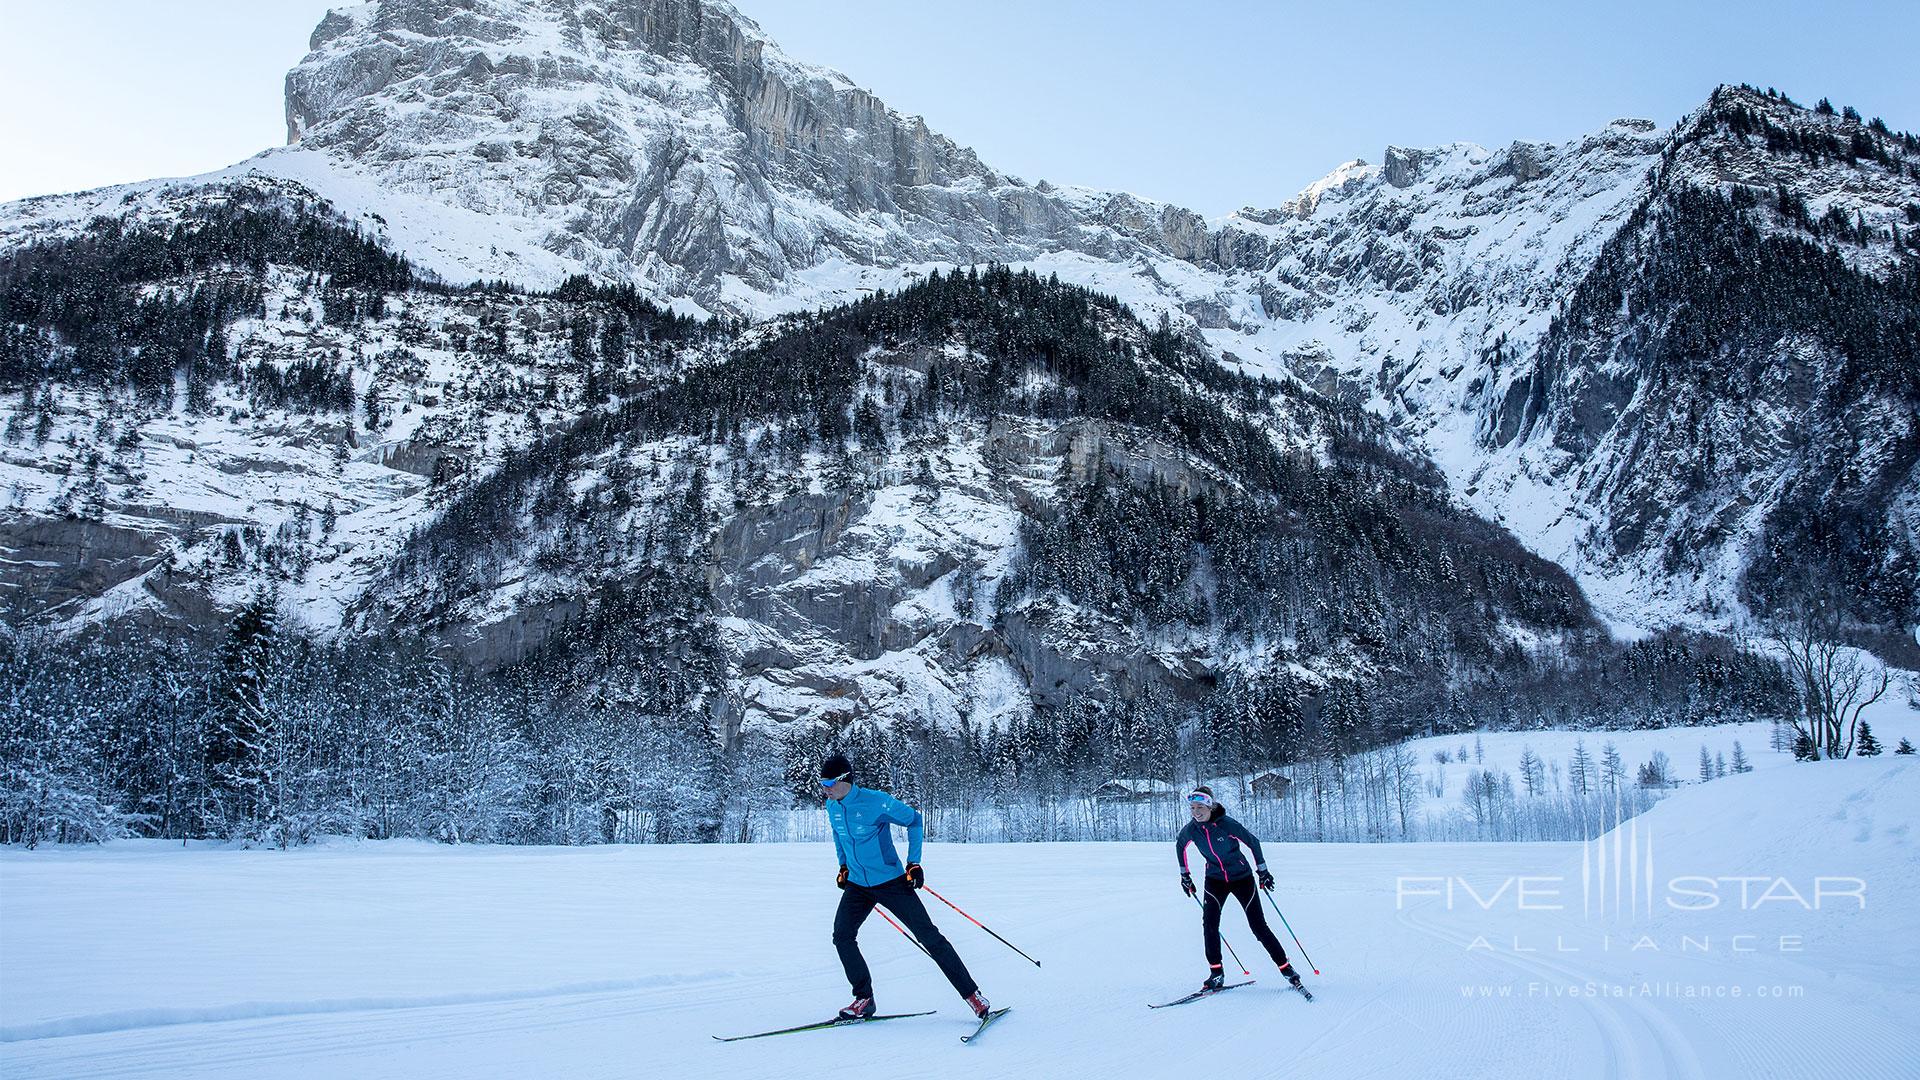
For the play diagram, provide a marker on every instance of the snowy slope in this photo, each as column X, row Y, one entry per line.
column 1501, row 751
column 457, row 243
column 404, row 960
column 178, row 487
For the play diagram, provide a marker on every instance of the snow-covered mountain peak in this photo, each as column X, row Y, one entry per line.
column 1302, row 205
column 663, row 141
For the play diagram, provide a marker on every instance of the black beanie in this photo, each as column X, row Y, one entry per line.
column 835, row 765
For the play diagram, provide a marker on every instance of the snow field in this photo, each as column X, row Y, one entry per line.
column 406, row 959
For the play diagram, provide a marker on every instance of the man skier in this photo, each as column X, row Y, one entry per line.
column 1220, row 839
column 870, row 873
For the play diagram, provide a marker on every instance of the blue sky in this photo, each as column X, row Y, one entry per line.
column 1214, row 104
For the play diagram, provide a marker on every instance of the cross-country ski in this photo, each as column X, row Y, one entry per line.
column 836, row 1022
column 985, row 1022
column 1203, row 992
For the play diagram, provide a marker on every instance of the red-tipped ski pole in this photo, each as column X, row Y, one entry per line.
column 982, row 926
column 915, row 940
column 1244, row 969
column 1290, row 933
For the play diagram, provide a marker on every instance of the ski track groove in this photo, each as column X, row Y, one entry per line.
column 268, row 1037
column 142, row 1019
column 1677, row 1059
column 185, row 1050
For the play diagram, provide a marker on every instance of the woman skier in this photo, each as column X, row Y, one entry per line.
column 1220, row 839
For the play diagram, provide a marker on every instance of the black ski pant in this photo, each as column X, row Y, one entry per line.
column 1243, row 890
column 858, row 901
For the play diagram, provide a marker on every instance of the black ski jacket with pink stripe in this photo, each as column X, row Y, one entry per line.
column 1220, row 839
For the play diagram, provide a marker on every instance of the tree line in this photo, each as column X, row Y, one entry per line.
column 264, row 735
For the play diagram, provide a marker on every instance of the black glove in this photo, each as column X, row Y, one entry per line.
column 916, row 877
column 842, row 879
column 1266, row 878
column 1186, row 883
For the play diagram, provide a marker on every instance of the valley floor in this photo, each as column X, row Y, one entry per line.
column 410, row 960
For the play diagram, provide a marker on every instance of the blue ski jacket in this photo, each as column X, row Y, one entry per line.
column 863, row 834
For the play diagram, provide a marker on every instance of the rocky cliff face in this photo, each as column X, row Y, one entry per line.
column 1731, row 391
column 666, row 141
column 1449, row 288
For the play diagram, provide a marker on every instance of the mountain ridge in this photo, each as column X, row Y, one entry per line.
column 670, row 145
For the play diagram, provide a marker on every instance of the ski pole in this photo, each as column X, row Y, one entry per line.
column 1244, row 969
column 1290, row 933
column 915, row 940
column 982, row 926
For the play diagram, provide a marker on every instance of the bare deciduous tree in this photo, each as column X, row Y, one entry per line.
column 1834, row 681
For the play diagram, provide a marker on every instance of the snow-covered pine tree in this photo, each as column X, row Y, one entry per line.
column 1867, row 745
column 238, row 765
column 1656, row 771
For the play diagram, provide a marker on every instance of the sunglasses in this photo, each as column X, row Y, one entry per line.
column 829, row 781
